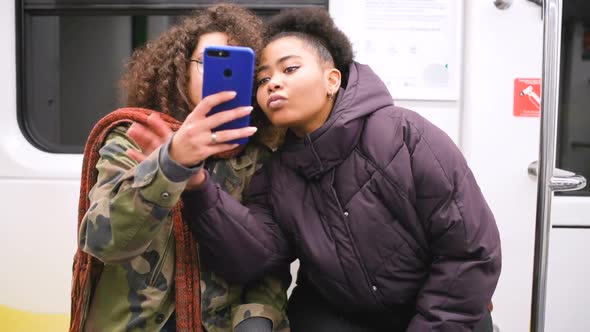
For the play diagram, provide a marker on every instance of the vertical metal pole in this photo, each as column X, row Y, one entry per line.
column 552, row 13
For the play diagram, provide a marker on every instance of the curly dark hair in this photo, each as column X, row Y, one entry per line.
column 316, row 27
column 156, row 76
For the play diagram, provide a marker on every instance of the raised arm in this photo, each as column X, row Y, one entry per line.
column 129, row 203
column 241, row 243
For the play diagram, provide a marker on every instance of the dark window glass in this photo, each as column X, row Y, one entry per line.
column 573, row 144
column 73, row 64
column 71, row 56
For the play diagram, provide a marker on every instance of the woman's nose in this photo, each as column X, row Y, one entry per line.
column 274, row 84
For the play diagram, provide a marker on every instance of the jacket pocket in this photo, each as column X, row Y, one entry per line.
column 412, row 244
column 394, row 208
column 400, row 276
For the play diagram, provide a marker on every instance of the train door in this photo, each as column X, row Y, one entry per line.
column 568, row 289
column 501, row 134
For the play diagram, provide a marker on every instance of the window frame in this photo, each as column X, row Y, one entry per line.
column 26, row 9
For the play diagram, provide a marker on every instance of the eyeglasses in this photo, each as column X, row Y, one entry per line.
column 199, row 65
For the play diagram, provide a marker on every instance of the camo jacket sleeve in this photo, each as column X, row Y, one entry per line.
column 266, row 298
column 129, row 203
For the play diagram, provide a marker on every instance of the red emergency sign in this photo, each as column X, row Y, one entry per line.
column 527, row 97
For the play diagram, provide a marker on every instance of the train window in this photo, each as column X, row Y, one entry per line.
column 573, row 139
column 71, row 56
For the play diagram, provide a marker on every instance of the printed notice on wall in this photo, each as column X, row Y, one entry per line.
column 413, row 45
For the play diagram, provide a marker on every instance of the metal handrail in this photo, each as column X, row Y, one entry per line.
column 561, row 180
column 552, row 15
column 502, row 4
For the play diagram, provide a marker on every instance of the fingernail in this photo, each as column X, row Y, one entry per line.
column 253, row 129
column 248, row 109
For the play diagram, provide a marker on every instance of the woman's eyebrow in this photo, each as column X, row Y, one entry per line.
column 281, row 60
column 200, row 55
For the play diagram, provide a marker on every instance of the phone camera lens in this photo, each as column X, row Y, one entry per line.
column 227, row 73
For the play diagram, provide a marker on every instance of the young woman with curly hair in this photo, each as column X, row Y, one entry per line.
column 128, row 226
column 390, row 227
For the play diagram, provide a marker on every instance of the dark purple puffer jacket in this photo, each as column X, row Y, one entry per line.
column 379, row 206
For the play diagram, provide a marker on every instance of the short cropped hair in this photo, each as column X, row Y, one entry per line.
column 316, row 27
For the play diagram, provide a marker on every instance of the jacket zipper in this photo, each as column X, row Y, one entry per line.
column 358, row 256
column 160, row 265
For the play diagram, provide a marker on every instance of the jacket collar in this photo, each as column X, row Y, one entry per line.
column 320, row 151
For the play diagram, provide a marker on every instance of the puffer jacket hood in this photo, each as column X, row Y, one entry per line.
column 365, row 94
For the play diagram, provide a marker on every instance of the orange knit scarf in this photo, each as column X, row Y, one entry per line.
column 87, row 269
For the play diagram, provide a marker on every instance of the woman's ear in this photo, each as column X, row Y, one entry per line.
column 334, row 78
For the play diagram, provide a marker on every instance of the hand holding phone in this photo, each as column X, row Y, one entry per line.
column 229, row 68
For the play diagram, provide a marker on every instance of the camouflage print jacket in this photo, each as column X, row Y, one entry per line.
column 128, row 228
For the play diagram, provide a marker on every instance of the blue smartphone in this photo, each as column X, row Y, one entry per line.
column 229, row 68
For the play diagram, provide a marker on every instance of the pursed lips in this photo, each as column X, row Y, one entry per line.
column 275, row 101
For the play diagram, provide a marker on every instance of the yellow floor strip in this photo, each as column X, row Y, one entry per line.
column 13, row 320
